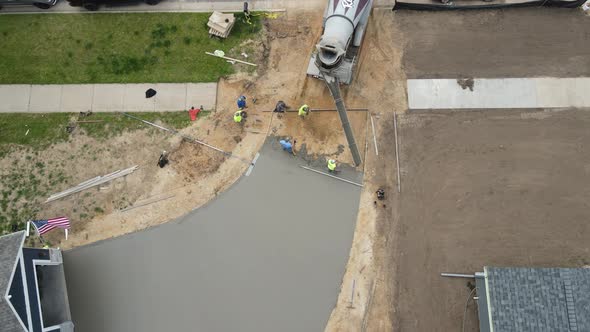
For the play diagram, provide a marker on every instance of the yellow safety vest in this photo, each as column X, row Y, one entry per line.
column 331, row 165
column 303, row 110
column 238, row 116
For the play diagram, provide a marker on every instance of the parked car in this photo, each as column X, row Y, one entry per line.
column 93, row 5
column 43, row 4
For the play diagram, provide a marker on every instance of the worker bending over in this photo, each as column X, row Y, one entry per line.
column 239, row 116
column 242, row 102
column 303, row 111
column 163, row 160
column 286, row 145
column 380, row 194
column 332, row 165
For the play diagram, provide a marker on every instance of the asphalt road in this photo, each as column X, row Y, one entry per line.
column 267, row 255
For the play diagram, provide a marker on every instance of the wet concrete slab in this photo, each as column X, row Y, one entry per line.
column 267, row 255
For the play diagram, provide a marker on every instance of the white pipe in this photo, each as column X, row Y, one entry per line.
column 232, row 59
column 457, row 275
column 374, row 138
column 399, row 184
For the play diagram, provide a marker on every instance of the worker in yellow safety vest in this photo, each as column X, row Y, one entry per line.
column 303, row 111
column 331, row 165
column 238, row 117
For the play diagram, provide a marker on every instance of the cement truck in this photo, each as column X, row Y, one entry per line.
column 345, row 22
column 335, row 55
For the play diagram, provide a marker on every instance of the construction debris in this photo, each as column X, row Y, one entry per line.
column 220, row 24
column 232, row 59
column 92, row 183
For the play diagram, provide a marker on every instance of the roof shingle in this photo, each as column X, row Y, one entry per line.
column 539, row 299
column 10, row 246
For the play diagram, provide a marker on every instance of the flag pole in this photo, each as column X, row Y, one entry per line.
column 28, row 228
column 66, row 231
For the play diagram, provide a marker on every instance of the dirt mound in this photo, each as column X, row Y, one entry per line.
column 194, row 161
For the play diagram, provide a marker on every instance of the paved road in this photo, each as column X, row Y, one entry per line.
column 43, row 98
column 267, row 255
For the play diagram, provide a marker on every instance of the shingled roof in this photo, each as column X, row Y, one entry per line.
column 10, row 245
column 537, row 299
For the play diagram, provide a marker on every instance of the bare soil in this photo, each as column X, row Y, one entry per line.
column 380, row 86
column 428, row 44
column 396, row 275
column 497, row 189
column 517, row 42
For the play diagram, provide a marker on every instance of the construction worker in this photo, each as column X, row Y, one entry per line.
column 163, row 160
column 238, row 117
column 303, row 111
column 332, row 165
column 380, row 194
column 242, row 102
column 286, row 145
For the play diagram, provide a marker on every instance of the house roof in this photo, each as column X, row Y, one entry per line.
column 10, row 246
column 538, row 299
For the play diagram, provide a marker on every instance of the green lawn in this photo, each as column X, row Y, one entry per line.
column 114, row 48
column 49, row 128
column 29, row 180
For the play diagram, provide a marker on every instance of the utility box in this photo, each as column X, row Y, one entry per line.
column 220, row 24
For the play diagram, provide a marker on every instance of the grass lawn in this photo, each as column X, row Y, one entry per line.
column 114, row 48
column 29, row 180
column 48, row 128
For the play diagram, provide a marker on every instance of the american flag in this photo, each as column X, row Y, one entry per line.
column 44, row 226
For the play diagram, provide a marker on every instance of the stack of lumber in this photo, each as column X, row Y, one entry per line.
column 92, row 182
column 220, row 24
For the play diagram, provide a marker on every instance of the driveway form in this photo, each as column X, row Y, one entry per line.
column 267, row 255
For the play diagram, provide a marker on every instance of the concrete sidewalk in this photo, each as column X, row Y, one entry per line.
column 106, row 97
column 535, row 92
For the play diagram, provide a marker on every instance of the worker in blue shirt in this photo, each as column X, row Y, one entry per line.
column 242, row 102
column 286, row 145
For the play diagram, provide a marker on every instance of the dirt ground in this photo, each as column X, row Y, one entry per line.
column 497, row 189
column 380, row 86
column 394, row 274
column 517, row 42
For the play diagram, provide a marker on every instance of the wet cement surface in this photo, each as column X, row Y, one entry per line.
column 267, row 255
